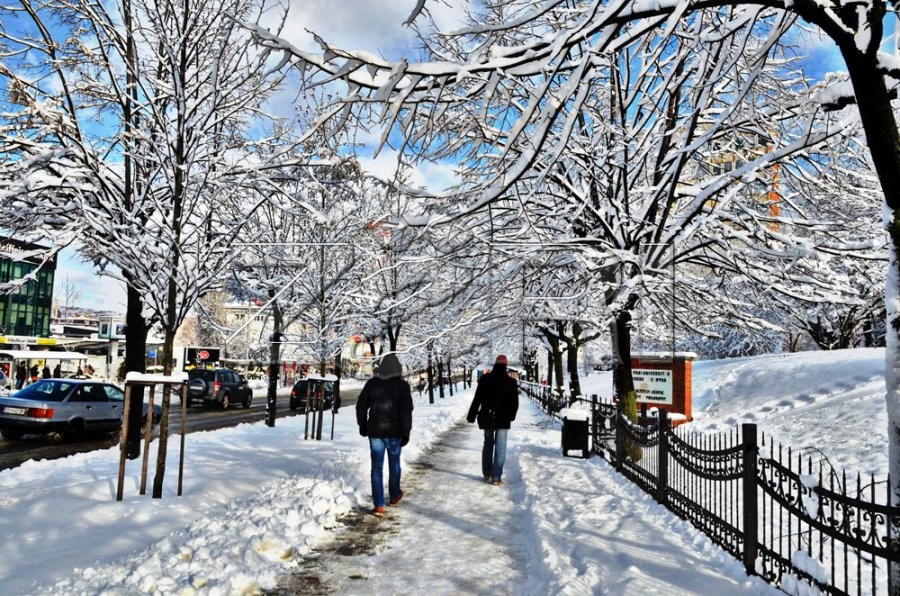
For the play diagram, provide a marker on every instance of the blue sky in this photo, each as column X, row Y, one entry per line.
column 99, row 292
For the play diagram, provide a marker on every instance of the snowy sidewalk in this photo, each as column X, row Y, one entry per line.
column 452, row 533
column 557, row 525
column 260, row 512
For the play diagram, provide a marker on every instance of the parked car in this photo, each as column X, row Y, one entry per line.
column 301, row 387
column 221, row 386
column 70, row 407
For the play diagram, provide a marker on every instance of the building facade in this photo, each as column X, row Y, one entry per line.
column 26, row 310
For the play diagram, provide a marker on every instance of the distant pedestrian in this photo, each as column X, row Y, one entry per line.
column 384, row 414
column 34, row 373
column 21, row 375
column 495, row 406
column 57, row 371
column 45, row 373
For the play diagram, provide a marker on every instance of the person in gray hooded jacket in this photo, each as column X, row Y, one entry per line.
column 384, row 415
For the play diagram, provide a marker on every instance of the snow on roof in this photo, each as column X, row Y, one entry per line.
column 317, row 377
column 174, row 378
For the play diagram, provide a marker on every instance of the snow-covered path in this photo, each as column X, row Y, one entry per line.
column 260, row 509
column 557, row 526
column 452, row 532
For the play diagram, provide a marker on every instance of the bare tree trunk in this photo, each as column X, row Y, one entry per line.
column 623, row 382
column 572, row 366
column 550, row 367
column 274, row 363
column 430, row 375
column 164, row 423
column 135, row 350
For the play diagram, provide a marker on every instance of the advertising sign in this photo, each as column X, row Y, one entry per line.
column 653, row 386
column 111, row 329
column 198, row 355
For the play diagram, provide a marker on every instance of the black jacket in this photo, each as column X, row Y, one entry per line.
column 499, row 391
column 384, row 407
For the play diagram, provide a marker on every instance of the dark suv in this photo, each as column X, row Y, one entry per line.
column 221, row 386
column 315, row 387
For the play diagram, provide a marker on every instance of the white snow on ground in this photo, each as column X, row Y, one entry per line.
column 830, row 401
column 256, row 499
column 556, row 526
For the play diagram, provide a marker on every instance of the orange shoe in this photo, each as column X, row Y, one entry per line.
column 378, row 512
column 394, row 502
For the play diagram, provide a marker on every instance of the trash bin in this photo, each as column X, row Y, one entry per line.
column 575, row 436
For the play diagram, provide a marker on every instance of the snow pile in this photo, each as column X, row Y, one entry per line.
column 256, row 499
column 811, row 401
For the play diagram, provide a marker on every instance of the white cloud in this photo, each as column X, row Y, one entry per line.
column 434, row 176
column 98, row 292
column 363, row 24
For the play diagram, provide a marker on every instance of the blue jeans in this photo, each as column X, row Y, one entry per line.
column 377, row 447
column 493, row 454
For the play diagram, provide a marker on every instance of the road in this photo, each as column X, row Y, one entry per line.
column 199, row 418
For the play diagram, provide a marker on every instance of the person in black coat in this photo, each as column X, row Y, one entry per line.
column 21, row 375
column 495, row 406
column 384, row 414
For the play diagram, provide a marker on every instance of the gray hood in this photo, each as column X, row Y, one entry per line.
column 389, row 367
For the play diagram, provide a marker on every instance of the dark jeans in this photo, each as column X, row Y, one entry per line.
column 493, row 454
column 377, row 447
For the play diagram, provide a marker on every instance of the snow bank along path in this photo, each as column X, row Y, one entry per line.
column 260, row 501
column 557, row 526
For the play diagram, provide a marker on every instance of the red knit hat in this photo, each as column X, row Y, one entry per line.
column 501, row 359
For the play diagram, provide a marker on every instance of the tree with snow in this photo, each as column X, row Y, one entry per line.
column 197, row 86
column 519, row 66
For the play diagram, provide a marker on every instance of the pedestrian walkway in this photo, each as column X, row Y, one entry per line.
column 452, row 533
column 556, row 526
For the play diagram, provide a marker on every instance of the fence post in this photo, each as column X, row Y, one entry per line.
column 595, row 423
column 620, row 438
column 662, row 476
column 750, row 521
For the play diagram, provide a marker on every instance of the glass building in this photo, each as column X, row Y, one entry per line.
column 26, row 310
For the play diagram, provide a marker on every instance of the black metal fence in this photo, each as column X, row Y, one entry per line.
column 790, row 517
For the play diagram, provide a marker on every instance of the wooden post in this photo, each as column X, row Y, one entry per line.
column 184, row 398
column 122, row 448
column 320, row 401
column 333, row 412
column 751, row 474
column 306, row 412
column 148, row 431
